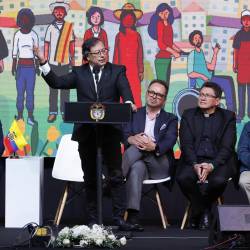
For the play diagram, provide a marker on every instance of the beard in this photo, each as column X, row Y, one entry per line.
column 198, row 45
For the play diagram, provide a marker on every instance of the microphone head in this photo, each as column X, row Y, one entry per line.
column 96, row 69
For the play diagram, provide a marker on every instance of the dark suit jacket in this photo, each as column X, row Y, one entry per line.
column 223, row 136
column 112, row 85
column 165, row 132
column 1, row 140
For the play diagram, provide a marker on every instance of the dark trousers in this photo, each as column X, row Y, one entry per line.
column 111, row 152
column 53, row 93
column 202, row 196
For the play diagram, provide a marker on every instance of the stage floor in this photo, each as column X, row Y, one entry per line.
column 153, row 238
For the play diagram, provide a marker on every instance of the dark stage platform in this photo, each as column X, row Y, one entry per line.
column 152, row 238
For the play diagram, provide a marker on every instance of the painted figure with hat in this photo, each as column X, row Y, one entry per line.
column 24, row 65
column 128, row 48
column 95, row 18
column 59, row 50
column 160, row 29
column 241, row 62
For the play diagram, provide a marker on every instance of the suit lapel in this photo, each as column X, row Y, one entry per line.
column 158, row 122
column 141, row 121
column 219, row 125
column 198, row 124
column 88, row 79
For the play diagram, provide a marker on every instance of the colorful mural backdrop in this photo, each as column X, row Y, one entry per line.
column 183, row 42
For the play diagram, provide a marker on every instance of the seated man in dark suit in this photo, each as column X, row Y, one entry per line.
column 149, row 140
column 208, row 159
column 244, row 158
column 1, row 140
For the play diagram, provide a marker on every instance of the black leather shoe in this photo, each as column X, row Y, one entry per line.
column 137, row 228
column 123, row 225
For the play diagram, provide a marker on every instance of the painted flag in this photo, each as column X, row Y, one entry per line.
column 14, row 140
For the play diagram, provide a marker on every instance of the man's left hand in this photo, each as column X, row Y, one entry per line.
column 206, row 170
column 149, row 146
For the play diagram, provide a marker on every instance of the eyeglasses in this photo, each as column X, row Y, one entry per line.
column 155, row 94
column 99, row 52
column 202, row 95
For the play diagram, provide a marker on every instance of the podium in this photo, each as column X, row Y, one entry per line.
column 23, row 191
column 97, row 113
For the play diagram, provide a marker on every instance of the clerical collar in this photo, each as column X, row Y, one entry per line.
column 206, row 115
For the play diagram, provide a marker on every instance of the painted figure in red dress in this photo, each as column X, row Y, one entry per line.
column 95, row 18
column 128, row 48
column 160, row 29
column 241, row 62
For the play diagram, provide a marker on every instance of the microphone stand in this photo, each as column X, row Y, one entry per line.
column 96, row 71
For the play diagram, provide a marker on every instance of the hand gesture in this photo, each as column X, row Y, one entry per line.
column 148, row 144
column 216, row 48
column 176, row 54
column 206, row 170
column 38, row 53
column 198, row 170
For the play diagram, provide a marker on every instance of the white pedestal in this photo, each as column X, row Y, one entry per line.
column 23, row 191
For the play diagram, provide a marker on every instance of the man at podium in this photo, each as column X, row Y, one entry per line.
column 97, row 81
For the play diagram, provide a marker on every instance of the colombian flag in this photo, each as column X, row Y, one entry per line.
column 14, row 140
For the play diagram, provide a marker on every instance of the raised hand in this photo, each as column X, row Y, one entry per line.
column 38, row 53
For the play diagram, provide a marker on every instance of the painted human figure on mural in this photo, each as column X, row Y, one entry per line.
column 241, row 62
column 24, row 66
column 160, row 29
column 3, row 52
column 59, row 50
column 199, row 70
column 128, row 48
column 95, row 18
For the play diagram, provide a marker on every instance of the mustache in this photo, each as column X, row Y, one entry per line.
column 198, row 44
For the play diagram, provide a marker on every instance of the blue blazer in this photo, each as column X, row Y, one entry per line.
column 165, row 132
column 1, row 140
column 244, row 148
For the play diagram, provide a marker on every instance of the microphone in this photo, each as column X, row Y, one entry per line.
column 96, row 71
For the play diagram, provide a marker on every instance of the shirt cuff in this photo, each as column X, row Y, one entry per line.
column 129, row 102
column 212, row 166
column 45, row 68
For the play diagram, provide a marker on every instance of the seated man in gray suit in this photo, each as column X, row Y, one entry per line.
column 149, row 140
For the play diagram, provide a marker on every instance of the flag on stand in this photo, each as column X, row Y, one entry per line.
column 14, row 140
